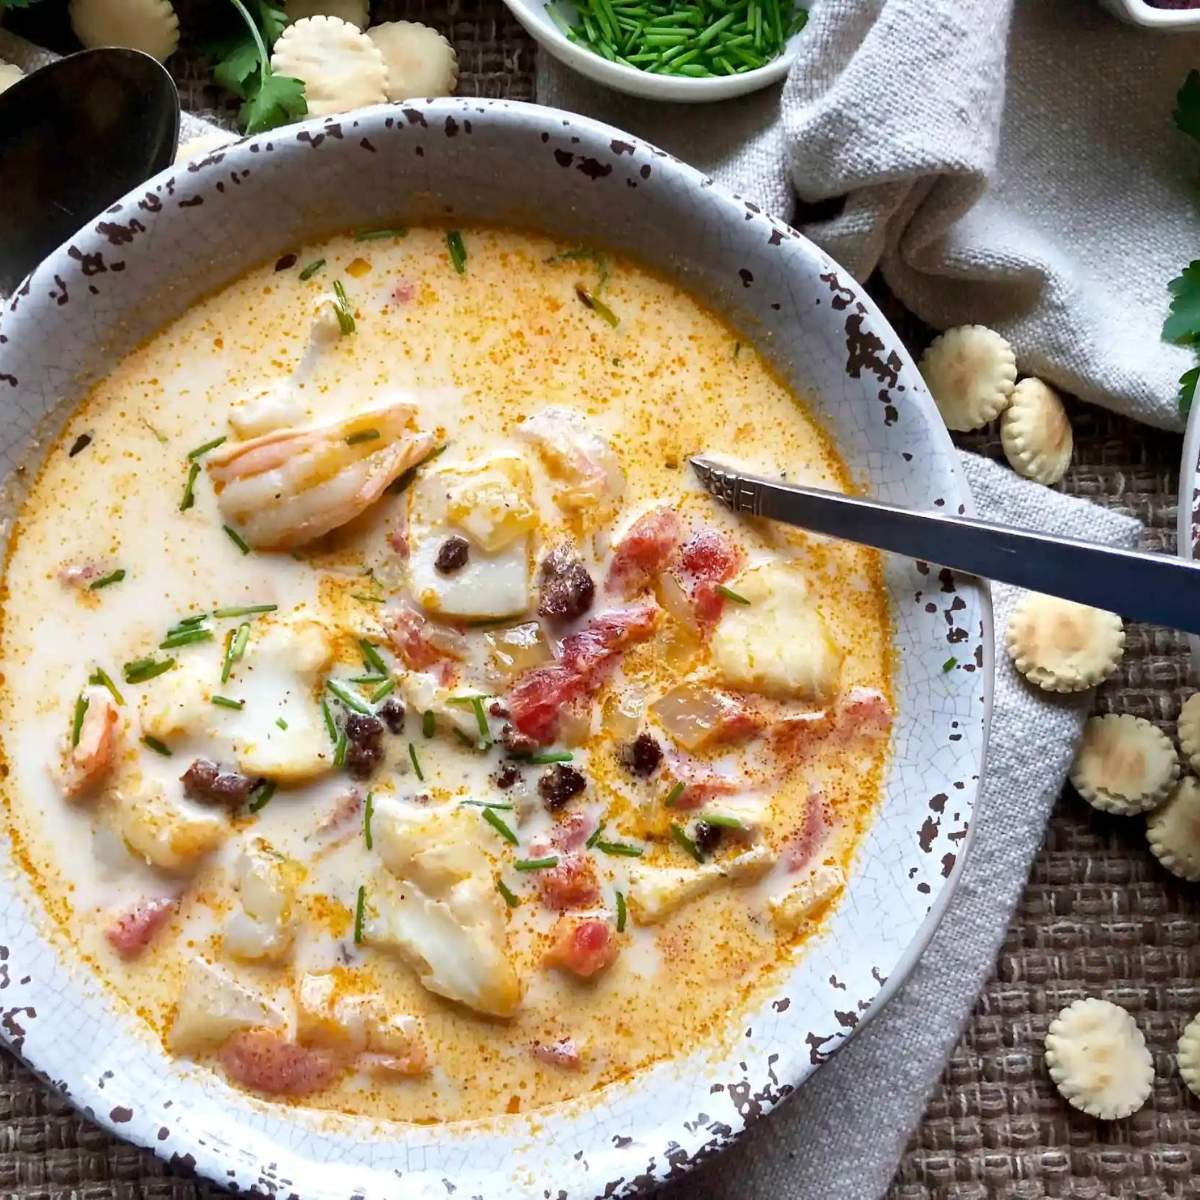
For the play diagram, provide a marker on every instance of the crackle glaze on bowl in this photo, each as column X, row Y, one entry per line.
column 194, row 229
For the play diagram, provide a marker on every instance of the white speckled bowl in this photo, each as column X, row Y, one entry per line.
column 195, row 228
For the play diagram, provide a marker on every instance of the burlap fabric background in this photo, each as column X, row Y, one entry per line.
column 1099, row 917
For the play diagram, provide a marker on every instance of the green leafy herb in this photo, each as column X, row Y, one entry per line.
column 368, row 599
column 497, row 823
column 368, row 813
column 509, row 897
column 330, row 724
column 412, row 754
column 363, row 435
column 158, row 747
column 342, row 309
column 373, row 677
column 592, row 301
column 339, row 749
column 81, row 707
column 348, row 698
column 245, row 69
column 236, row 538
column 360, row 911
column 227, row 702
column 619, row 849
column 281, row 723
column 188, row 622
column 312, row 269
column 502, row 806
column 378, row 235
column 401, row 482
column 458, row 251
column 674, row 794
column 159, row 436
column 549, row 756
column 949, row 665
column 260, row 794
column 595, row 836
column 536, row 864
column 189, row 488
column 481, row 721
column 142, row 669
column 383, row 690
column 105, row 580
column 235, row 647
column 621, row 910
column 586, row 254
column 101, row 677
column 730, row 594
column 682, row 839
column 723, row 821
column 202, row 450
column 185, row 637
column 1182, row 325
column 372, row 657
column 244, row 610
column 428, row 723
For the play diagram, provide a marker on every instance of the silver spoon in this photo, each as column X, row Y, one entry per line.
column 75, row 136
column 1142, row 587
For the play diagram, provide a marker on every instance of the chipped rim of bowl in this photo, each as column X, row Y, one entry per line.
column 266, row 1142
column 1187, row 511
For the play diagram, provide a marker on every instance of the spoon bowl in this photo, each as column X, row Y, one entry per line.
column 75, row 136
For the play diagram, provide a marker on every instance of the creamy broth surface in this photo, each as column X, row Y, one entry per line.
column 713, row 695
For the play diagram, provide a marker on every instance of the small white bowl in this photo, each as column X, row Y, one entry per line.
column 680, row 88
column 1168, row 20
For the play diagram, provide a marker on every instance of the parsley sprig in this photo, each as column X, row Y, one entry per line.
column 1182, row 325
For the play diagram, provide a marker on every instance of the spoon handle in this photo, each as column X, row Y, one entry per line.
column 1142, row 587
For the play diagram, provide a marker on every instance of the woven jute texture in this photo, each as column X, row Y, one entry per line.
column 1099, row 917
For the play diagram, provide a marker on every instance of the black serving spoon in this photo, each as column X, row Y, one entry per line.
column 75, row 136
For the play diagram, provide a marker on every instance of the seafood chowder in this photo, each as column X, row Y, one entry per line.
column 392, row 722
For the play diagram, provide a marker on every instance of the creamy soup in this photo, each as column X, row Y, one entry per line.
column 391, row 720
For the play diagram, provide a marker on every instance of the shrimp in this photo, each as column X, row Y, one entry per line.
column 287, row 487
column 582, row 463
column 89, row 760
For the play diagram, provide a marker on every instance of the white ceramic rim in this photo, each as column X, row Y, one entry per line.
column 1171, row 20
column 679, row 88
column 1187, row 502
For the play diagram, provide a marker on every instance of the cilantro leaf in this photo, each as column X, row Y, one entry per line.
column 1187, row 106
column 1187, row 390
column 277, row 100
column 271, row 20
column 1183, row 324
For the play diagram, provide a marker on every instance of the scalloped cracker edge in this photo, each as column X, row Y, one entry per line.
column 151, row 26
column 340, row 66
column 420, row 62
column 1036, row 433
column 1124, row 765
column 970, row 371
column 356, row 12
column 1173, row 830
column 1062, row 646
column 1188, row 1056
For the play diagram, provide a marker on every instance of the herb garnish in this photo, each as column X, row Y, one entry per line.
column 682, row 839
column 674, row 794
column 228, row 702
column 189, row 488
column 458, row 251
column 184, row 637
column 81, row 707
column 244, row 610
column 235, row 647
column 949, row 665
column 360, row 906
column 347, row 697
column 342, row 309
column 363, row 435
column 376, row 235
column 312, row 269
column 200, row 451
column 1182, row 325
column 260, row 794
column 619, row 849
column 509, row 897
column 330, row 724
column 723, row 821
column 621, row 912
column 412, row 754
column 502, row 805
column 104, row 581
column 368, row 813
column 586, row 254
column 592, row 301
column 157, row 746
column 244, row 68
column 549, row 756
column 536, row 864
column 101, row 677
column 497, row 823
column 236, row 538
column 372, row 657
column 368, row 599
column 383, row 690
column 428, row 723
column 730, row 594
column 281, row 723
column 402, row 481
column 142, row 669
column 339, row 749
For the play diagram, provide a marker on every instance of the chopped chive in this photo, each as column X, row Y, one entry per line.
column 227, row 702
column 949, row 665
column 81, row 707
column 339, row 750
column 312, row 269
column 499, row 826
column 104, row 581
column 368, row 599
column 730, row 594
column 372, row 657
column 342, row 309
column 412, row 754
column 235, row 647
column 620, row 849
column 737, row 349
column 466, row 739
column 236, row 538
column 621, row 912
column 260, row 794
column 202, row 450
column 363, row 435
column 244, row 610
column 378, row 235
column 142, row 669
column 348, row 698
column 674, row 794
column 428, row 723
column 101, row 677
column 592, row 301
column 384, row 689
column 682, row 839
column 485, row 732
column 161, row 439
column 360, row 908
column 402, row 481
column 330, row 724
column 189, row 488
column 509, row 897
column 595, row 836
column 536, row 864
column 458, row 251
column 501, row 805
column 374, row 677
column 281, row 723
column 368, row 813
column 158, row 747
column 188, row 622
column 550, row 756
column 185, row 637
column 722, row 821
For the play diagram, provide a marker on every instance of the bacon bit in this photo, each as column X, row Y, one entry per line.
column 643, row 552
column 706, row 560
column 404, row 291
column 540, row 694
column 89, row 762
column 863, row 712
column 414, row 1062
column 799, row 849
column 700, row 781
column 266, row 1062
column 572, row 884
column 572, row 833
column 79, row 575
column 563, row 1053
column 346, row 809
column 133, row 929
column 420, row 643
column 797, row 734
column 583, row 947
column 397, row 538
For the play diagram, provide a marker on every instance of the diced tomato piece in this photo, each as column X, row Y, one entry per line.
column 643, row 552
column 571, row 884
column 583, row 947
column 562, row 1053
column 707, row 559
column 572, row 832
column 419, row 642
column 267, row 1062
column 133, row 929
column 536, row 700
